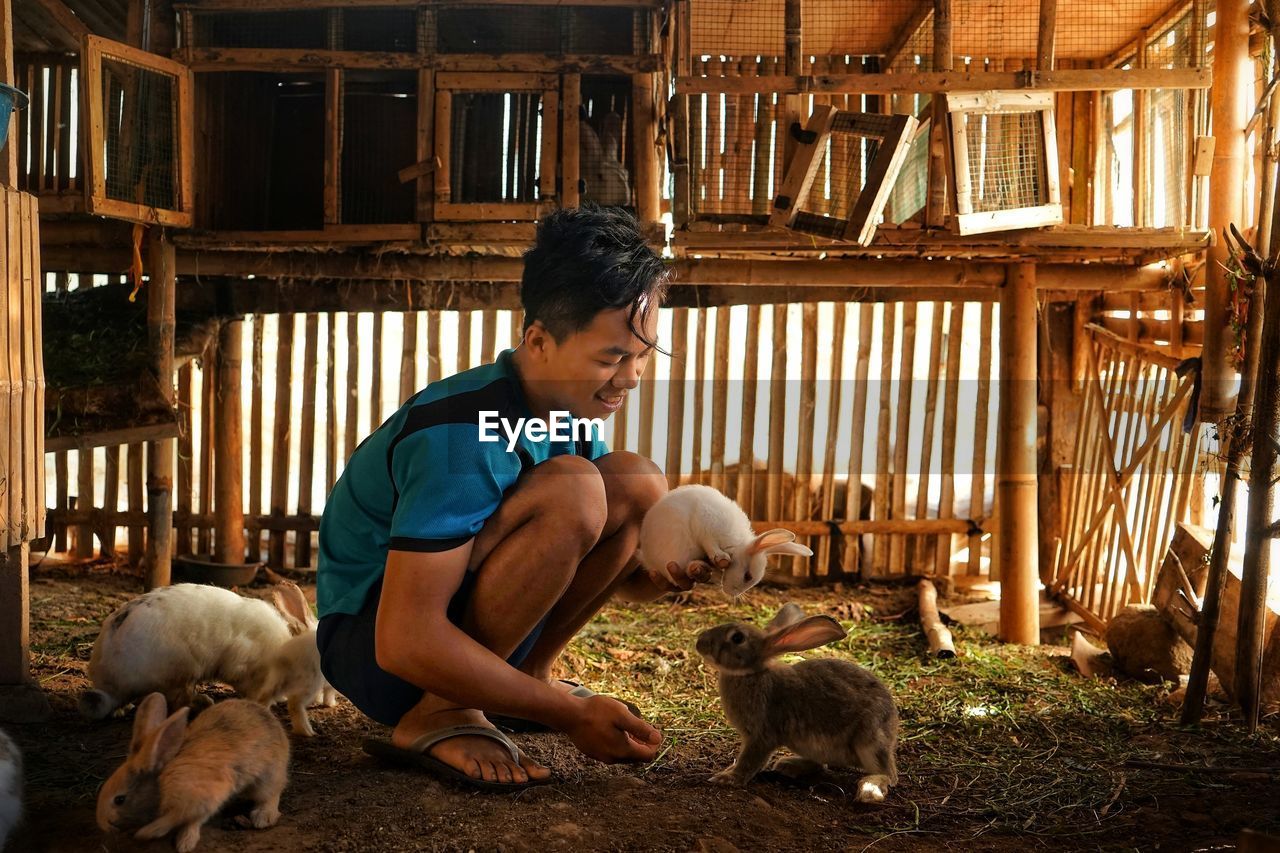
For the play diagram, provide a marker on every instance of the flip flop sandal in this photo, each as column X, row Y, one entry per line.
column 416, row 756
column 519, row 725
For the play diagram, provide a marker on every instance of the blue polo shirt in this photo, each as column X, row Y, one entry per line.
column 423, row 481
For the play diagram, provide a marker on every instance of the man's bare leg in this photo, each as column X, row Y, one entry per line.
column 527, row 556
column 632, row 484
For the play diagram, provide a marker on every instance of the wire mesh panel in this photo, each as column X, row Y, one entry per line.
column 556, row 30
column 739, row 28
column 293, row 29
column 139, row 134
column 391, row 30
column 1005, row 160
column 379, row 113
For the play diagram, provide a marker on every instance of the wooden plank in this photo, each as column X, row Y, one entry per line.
column 881, row 175
column 32, row 364
column 292, row 5
column 306, row 438
column 333, row 90
column 496, row 81
column 426, row 143
column 282, row 436
column 1064, row 80
column 10, row 377
column 803, row 167
column 570, row 155
column 284, row 60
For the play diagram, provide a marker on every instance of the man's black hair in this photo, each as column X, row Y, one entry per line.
column 587, row 260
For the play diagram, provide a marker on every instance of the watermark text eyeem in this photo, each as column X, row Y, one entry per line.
column 561, row 426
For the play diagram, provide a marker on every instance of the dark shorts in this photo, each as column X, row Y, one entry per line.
column 348, row 660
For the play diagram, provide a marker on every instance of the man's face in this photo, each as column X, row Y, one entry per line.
column 590, row 372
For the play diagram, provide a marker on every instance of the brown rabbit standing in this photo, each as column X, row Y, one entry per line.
column 178, row 776
column 828, row 712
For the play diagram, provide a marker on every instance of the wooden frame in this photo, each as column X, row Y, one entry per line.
column 894, row 133
column 962, row 108
column 449, row 83
column 96, row 201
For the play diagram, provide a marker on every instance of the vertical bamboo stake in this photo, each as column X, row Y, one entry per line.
column 228, row 544
column 1256, row 570
column 802, row 500
column 648, row 166
column 83, row 548
column 880, row 508
column 746, row 441
column 921, row 553
column 712, row 177
column 375, row 389
column 1047, row 34
column 256, row 462
column 331, row 403
column 699, row 364
column 648, row 395
column 160, row 331
column 488, row 335
column 208, row 395
column 827, row 509
column 777, row 413
column 282, row 435
column 182, row 518
column 853, row 499
column 351, row 431
column 977, row 494
column 1019, row 522
column 902, row 442
column 719, row 397
column 137, row 534
column 936, row 207
column 675, row 393
column 434, row 367
column 307, row 437
column 464, row 341
column 409, row 356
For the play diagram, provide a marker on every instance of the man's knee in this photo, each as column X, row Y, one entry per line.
column 576, row 497
column 632, row 481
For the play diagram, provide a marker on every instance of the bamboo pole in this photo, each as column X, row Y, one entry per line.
column 982, row 407
column 110, row 501
column 936, row 634
column 777, row 412
column 827, row 493
column 160, row 334
column 331, row 403
column 83, row 547
column 464, row 342
column 648, row 396
column 375, row 388
column 282, row 434
column 1256, row 570
column 926, row 440
column 307, row 433
column 1019, row 521
column 182, row 518
column 902, row 442
column 351, row 430
column 408, row 356
column 950, row 412
column 648, row 166
column 256, row 462
column 137, row 534
column 746, row 441
column 857, row 428
column 1226, row 178
column 699, row 365
column 228, row 545
column 884, row 485
column 720, row 397
column 208, row 401
column 675, row 394
column 936, row 203
column 434, row 368
column 802, row 508
column 1046, row 35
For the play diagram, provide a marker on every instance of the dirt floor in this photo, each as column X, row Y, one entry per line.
column 1001, row 749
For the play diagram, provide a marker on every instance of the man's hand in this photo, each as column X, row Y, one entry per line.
column 607, row 731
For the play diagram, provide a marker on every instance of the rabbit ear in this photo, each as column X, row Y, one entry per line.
column 291, row 601
column 788, row 614
column 770, row 539
column 805, row 634
column 789, row 548
column 288, row 609
column 164, row 744
column 148, row 717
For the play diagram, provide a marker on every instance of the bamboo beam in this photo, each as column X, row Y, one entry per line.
column 648, row 167
column 1016, row 479
column 1046, row 35
column 65, row 18
column 1226, row 180
column 1064, row 80
column 160, row 334
column 228, row 536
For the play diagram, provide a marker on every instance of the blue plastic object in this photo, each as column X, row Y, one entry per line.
column 10, row 99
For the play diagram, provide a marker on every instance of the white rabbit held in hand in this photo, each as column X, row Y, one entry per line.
column 698, row 530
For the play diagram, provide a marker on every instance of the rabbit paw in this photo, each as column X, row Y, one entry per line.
column 728, row 776
column 722, row 559
column 187, row 838
column 872, row 789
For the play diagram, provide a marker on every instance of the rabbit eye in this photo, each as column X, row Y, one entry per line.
column 737, row 637
column 119, row 799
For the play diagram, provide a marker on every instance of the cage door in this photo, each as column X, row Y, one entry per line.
column 138, row 134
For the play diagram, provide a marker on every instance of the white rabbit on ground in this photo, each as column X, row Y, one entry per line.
column 10, row 786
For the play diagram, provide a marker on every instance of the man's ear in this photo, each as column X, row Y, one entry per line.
column 538, row 339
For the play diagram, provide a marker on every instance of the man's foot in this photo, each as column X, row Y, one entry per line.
column 477, row 756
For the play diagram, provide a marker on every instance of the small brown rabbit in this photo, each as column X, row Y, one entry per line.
column 178, row 776
column 828, row 712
